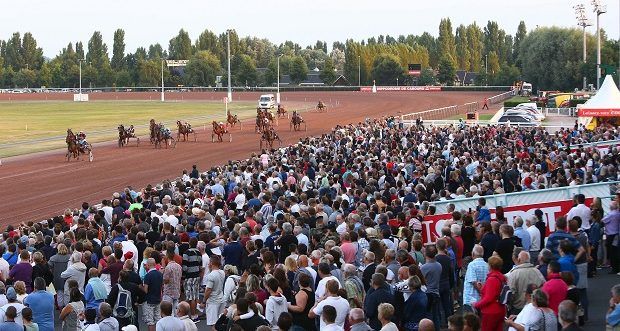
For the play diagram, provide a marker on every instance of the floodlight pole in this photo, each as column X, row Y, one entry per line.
column 228, row 47
column 599, row 9
column 486, row 69
column 582, row 21
column 81, row 60
column 359, row 70
column 162, row 81
column 278, row 85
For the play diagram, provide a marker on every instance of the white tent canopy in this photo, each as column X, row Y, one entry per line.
column 606, row 102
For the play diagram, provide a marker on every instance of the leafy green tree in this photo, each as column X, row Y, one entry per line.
column 507, row 76
column 446, row 70
column 475, row 47
column 180, row 47
column 519, row 36
column 491, row 37
column 13, row 56
column 386, row 69
column 97, row 51
column 79, row 50
column 207, row 41
column 462, row 48
column 338, row 58
column 149, row 73
column 430, row 43
column 32, row 55
column 156, row 52
column 299, row 70
column 118, row 50
column 45, row 75
column 493, row 63
column 244, row 70
column 328, row 74
column 445, row 41
column 202, row 69
column 124, row 78
column 427, row 77
column 314, row 58
column 25, row 78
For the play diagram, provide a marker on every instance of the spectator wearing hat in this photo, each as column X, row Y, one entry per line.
column 11, row 296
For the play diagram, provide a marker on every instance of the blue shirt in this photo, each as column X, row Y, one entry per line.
column 526, row 240
column 91, row 301
column 232, row 253
column 11, row 258
column 613, row 318
column 154, row 280
column 484, row 215
column 567, row 263
column 477, row 271
column 42, row 305
column 553, row 243
column 10, row 326
column 254, row 202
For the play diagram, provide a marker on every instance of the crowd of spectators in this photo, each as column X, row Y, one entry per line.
column 326, row 234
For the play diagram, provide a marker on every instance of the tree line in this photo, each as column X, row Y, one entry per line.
column 549, row 57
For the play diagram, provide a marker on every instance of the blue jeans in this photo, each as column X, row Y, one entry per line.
column 434, row 304
column 446, row 303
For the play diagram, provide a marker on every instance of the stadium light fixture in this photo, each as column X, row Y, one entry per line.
column 599, row 8
column 228, row 48
column 582, row 21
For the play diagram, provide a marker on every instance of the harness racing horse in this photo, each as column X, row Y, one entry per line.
column 233, row 120
column 262, row 122
column 185, row 129
column 125, row 133
column 163, row 134
column 269, row 136
column 153, row 131
column 220, row 130
column 297, row 121
column 74, row 149
column 321, row 106
column 282, row 112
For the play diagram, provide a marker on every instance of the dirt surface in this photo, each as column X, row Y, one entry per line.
column 38, row 186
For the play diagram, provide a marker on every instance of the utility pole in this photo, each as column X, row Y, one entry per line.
column 228, row 46
column 162, row 80
column 599, row 8
column 582, row 21
column 486, row 69
column 359, row 70
column 278, row 92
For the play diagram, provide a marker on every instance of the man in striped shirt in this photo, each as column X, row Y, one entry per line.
column 266, row 209
column 192, row 262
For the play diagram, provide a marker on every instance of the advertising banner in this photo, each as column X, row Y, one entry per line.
column 401, row 88
column 583, row 112
column 432, row 225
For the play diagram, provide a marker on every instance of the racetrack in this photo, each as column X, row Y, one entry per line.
column 42, row 185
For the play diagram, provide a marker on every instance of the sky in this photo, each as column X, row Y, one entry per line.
column 55, row 23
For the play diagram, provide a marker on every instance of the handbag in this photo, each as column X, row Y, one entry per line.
column 222, row 323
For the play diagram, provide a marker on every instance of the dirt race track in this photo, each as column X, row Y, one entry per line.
column 38, row 186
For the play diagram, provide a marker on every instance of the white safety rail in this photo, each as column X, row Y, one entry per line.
column 437, row 113
column 566, row 111
column 501, row 97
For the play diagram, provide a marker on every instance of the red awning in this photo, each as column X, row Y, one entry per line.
column 599, row 112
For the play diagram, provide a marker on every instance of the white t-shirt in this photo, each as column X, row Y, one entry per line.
column 173, row 220
column 535, row 236
column 305, row 183
column 526, row 317
column 107, row 212
column 342, row 309
column 4, row 268
column 240, row 201
column 215, row 281
column 389, row 327
column 205, row 267
column 332, row 327
column 320, row 288
column 129, row 246
column 582, row 211
column 169, row 323
column 303, row 239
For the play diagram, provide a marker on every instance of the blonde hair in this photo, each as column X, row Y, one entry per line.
column 290, row 264
column 231, row 269
column 107, row 250
column 62, row 249
column 20, row 287
column 386, row 311
column 147, row 252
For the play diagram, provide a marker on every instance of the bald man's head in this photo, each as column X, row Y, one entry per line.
column 183, row 309
column 426, row 325
column 302, row 261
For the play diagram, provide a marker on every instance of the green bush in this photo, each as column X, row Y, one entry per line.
column 510, row 104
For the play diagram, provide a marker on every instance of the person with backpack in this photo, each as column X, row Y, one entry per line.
column 124, row 299
column 492, row 310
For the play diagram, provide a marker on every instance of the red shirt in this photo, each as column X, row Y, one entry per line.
column 556, row 289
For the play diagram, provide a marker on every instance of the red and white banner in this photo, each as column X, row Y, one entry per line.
column 400, row 88
column 432, row 225
column 610, row 112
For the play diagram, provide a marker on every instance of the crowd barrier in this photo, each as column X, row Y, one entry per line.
column 553, row 202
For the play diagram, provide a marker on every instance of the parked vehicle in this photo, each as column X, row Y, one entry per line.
column 517, row 119
column 267, row 101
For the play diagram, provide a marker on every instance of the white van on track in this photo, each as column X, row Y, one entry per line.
column 267, row 101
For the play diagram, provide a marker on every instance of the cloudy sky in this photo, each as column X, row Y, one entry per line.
column 55, row 23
